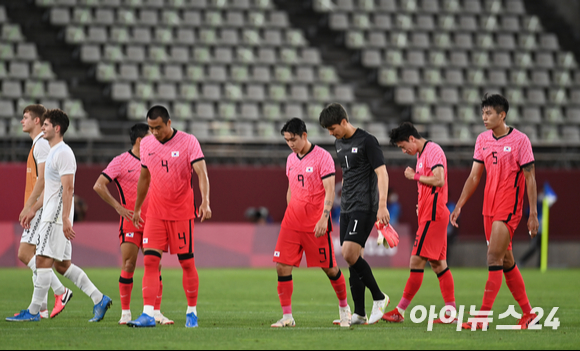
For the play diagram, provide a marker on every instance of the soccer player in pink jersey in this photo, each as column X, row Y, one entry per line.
column 307, row 224
column 124, row 170
column 430, row 174
column 507, row 157
column 168, row 158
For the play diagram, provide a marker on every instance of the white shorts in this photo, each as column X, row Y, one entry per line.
column 30, row 236
column 52, row 242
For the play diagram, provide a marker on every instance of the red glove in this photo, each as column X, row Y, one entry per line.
column 387, row 235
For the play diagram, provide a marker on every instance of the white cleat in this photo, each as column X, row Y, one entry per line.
column 162, row 320
column 359, row 320
column 379, row 308
column 284, row 322
column 44, row 314
column 345, row 317
column 125, row 318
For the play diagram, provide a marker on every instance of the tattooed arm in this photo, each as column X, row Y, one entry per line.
column 322, row 226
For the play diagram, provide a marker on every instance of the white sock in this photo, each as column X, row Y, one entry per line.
column 41, row 288
column 82, row 281
column 32, row 266
column 401, row 311
column 287, row 316
column 124, row 312
column 149, row 310
column 191, row 309
column 157, row 312
column 56, row 285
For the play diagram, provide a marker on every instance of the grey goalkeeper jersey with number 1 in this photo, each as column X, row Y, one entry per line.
column 359, row 156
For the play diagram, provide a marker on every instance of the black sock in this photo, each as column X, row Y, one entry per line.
column 357, row 290
column 366, row 276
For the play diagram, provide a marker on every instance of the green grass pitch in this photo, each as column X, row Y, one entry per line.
column 237, row 306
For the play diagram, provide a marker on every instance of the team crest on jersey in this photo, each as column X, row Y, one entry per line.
column 309, row 169
column 174, row 153
column 420, row 165
column 130, row 235
column 507, row 149
column 276, row 253
column 354, row 150
column 145, row 241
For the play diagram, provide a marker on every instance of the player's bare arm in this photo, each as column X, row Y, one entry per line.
column 142, row 189
column 383, row 215
column 468, row 189
column 322, row 225
column 200, row 168
column 532, row 189
column 100, row 188
column 36, row 191
column 68, row 189
column 436, row 180
column 29, row 216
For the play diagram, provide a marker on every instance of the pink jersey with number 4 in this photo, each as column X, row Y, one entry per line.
column 504, row 159
column 305, row 176
column 170, row 164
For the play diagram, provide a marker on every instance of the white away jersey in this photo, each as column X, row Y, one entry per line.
column 60, row 161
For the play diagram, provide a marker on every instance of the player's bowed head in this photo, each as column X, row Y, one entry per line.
column 159, row 123
column 296, row 135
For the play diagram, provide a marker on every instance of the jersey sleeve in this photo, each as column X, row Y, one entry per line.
column 113, row 169
column 436, row 159
column 41, row 150
column 66, row 163
column 196, row 153
column 525, row 152
column 327, row 168
column 477, row 155
column 144, row 149
column 374, row 152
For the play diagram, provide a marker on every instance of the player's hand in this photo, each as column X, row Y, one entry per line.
column 125, row 213
column 533, row 225
column 23, row 213
column 28, row 217
column 410, row 173
column 383, row 215
column 321, row 227
column 454, row 216
column 67, row 228
column 137, row 220
column 204, row 212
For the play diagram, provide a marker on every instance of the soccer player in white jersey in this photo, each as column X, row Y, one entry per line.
column 32, row 119
column 56, row 230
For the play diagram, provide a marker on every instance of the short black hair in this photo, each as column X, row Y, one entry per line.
column 139, row 130
column 403, row 132
column 332, row 114
column 59, row 118
column 495, row 101
column 158, row 111
column 294, row 126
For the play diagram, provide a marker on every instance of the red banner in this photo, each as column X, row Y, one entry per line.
column 216, row 245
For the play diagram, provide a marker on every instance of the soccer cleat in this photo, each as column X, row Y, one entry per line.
column 101, row 308
column 284, row 322
column 394, row 316
column 24, row 316
column 526, row 320
column 468, row 326
column 144, row 321
column 125, row 318
column 359, row 320
column 439, row 321
column 191, row 320
column 161, row 319
column 44, row 314
column 345, row 316
column 379, row 308
column 60, row 302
